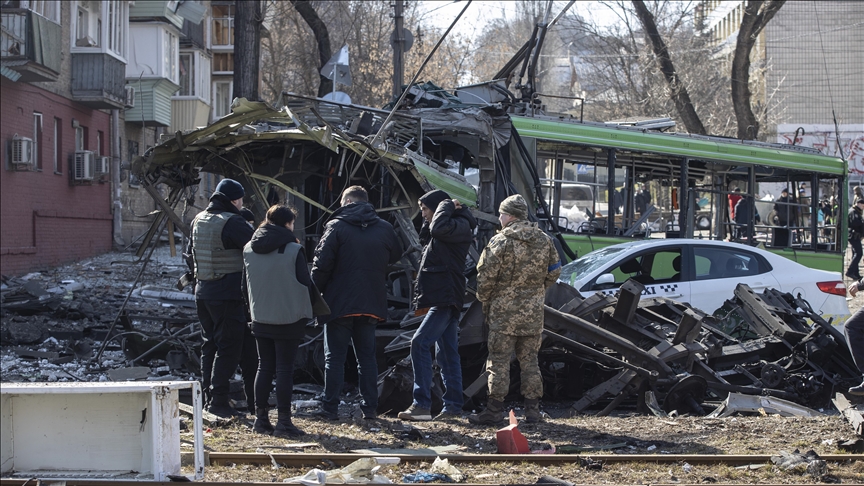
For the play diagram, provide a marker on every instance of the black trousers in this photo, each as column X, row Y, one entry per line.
column 223, row 323
column 275, row 357
column 249, row 368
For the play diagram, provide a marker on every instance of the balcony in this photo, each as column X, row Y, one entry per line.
column 152, row 102
column 98, row 80
column 30, row 45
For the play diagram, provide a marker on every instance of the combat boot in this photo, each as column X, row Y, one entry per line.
column 493, row 415
column 285, row 428
column 220, row 406
column 532, row 411
column 262, row 423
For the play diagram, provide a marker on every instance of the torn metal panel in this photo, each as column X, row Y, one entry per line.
column 738, row 402
column 853, row 413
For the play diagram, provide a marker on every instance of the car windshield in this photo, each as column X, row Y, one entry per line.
column 588, row 263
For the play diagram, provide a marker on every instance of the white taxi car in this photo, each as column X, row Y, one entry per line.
column 704, row 273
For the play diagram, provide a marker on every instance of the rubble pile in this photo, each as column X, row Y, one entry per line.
column 53, row 322
column 600, row 352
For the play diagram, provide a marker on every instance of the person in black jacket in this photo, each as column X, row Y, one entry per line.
column 854, row 330
column 216, row 248
column 446, row 234
column 280, row 294
column 742, row 216
column 856, row 231
column 350, row 269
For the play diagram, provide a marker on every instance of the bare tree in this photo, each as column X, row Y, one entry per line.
column 292, row 57
column 678, row 91
column 756, row 16
column 247, row 48
column 322, row 37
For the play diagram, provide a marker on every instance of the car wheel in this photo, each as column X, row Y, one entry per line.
column 703, row 222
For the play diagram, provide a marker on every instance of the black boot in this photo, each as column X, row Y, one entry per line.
column 220, row 406
column 262, row 423
column 284, row 427
column 493, row 415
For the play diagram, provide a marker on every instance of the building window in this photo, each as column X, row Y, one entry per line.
column 37, row 140
column 222, row 33
column 58, row 127
column 50, row 9
column 187, row 74
column 222, row 92
column 169, row 55
column 100, row 25
column 99, row 138
column 223, row 62
column 80, row 140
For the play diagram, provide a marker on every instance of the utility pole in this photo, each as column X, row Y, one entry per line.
column 247, row 48
column 398, row 42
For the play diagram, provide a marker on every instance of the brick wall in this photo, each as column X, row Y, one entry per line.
column 44, row 220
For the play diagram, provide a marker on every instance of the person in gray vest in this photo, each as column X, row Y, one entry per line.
column 280, row 294
column 350, row 268
column 219, row 234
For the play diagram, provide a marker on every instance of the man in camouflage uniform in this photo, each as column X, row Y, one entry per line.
column 515, row 269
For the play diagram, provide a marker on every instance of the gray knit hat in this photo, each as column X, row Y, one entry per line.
column 515, row 206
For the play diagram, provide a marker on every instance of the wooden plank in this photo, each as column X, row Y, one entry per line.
column 207, row 417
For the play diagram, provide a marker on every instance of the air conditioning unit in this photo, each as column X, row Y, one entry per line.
column 130, row 97
column 103, row 165
column 22, row 152
column 85, row 165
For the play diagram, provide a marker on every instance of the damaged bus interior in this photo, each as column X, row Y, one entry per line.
column 484, row 142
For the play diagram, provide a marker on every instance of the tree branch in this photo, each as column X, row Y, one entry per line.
column 679, row 93
column 756, row 16
column 322, row 37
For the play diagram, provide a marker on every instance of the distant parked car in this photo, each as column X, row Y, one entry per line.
column 704, row 274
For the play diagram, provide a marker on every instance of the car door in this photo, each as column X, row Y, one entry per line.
column 718, row 270
column 662, row 271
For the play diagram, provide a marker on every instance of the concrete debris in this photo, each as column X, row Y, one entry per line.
column 809, row 462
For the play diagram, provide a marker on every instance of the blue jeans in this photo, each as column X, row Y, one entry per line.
column 441, row 327
column 854, row 331
column 338, row 333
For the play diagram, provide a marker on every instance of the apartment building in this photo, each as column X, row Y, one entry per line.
column 85, row 86
column 812, row 52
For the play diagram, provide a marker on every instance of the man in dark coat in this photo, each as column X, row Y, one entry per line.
column 350, row 269
column 216, row 249
column 742, row 216
column 447, row 233
column 856, row 231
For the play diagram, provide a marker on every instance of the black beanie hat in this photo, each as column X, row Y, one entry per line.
column 433, row 198
column 230, row 189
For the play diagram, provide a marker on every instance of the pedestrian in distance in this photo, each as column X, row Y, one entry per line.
column 514, row 271
column 219, row 234
column 854, row 330
column 856, row 231
column 743, row 208
column 350, row 268
column 446, row 235
column 281, row 297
